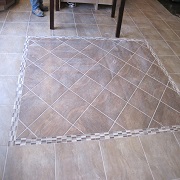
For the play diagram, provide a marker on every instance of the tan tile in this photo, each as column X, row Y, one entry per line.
column 176, row 79
column 107, row 31
column 159, row 24
column 78, row 161
column 126, row 88
column 31, row 108
column 177, row 134
column 166, row 116
column 3, row 15
column 10, row 64
column 158, row 74
column 168, row 35
column 109, row 104
column 18, row 16
column 174, row 25
column 36, row 19
column 63, row 18
column 6, row 113
column 175, row 45
column 83, row 8
column 131, row 74
column 171, row 63
column 27, row 134
column 3, row 151
column 132, row 119
column 67, row 75
column 87, row 89
column 84, row 19
column 152, row 86
column 20, row 128
column 116, row 128
column 88, row 30
column 162, row 151
column 144, row 102
column 70, row 106
column 104, row 20
column 73, row 131
column 23, row 162
column 152, row 15
column 124, row 159
column 171, row 98
column 100, row 74
column 7, row 89
column 21, row 5
column 93, row 121
column 127, row 20
column 154, row 124
column 142, row 22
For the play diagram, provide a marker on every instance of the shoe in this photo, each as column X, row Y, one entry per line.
column 43, row 8
column 71, row 5
column 38, row 12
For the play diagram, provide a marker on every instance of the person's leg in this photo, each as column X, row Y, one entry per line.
column 35, row 8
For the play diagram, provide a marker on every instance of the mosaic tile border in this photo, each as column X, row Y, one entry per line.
column 75, row 138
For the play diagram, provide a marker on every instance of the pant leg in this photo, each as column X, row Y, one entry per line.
column 34, row 4
column 41, row 2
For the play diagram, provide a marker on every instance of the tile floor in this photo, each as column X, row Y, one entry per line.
column 144, row 157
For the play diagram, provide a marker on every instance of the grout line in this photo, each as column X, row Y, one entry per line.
column 55, row 161
column 4, row 22
column 28, row 24
column 75, row 23
column 102, row 159
column 146, row 157
column 5, row 162
column 176, row 138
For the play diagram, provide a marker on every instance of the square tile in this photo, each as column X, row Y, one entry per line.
column 3, row 151
column 104, row 19
column 63, row 17
column 84, row 19
column 175, row 45
column 107, row 31
column 131, row 46
column 18, row 16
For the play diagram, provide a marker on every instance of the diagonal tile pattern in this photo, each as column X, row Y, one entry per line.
column 75, row 86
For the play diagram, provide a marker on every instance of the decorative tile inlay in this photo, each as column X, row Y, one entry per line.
column 74, row 89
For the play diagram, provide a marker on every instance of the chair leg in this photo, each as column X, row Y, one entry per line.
column 51, row 14
column 113, row 8
column 57, row 5
column 120, row 17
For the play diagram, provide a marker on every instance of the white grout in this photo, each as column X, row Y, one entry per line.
column 4, row 168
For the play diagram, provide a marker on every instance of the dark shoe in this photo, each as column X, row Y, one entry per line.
column 38, row 12
column 43, row 8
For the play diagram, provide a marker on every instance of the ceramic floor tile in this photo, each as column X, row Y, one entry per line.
column 104, row 19
column 3, row 15
column 93, row 121
column 142, row 22
column 23, row 162
column 175, row 45
column 167, row 116
column 176, row 79
column 162, row 151
column 159, row 24
column 168, row 35
column 74, row 161
column 124, row 159
column 107, row 31
column 109, row 104
column 148, row 106
column 84, row 19
column 3, row 151
column 63, row 18
column 173, row 24
column 87, row 89
column 83, row 9
column 177, row 134
column 70, row 106
column 154, row 124
column 18, row 16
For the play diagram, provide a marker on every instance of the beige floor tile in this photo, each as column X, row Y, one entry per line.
column 105, row 20
column 6, row 113
column 61, row 18
column 124, row 159
column 18, row 16
column 21, row 5
column 3, row 15
column 176, row 79
column 168, row 35
column 162, row 151
column 175, row 45
column 37, row 19
column 7, row 90
column 84, row 19
column 27, row 162
column 78, row 161
column 3, row 151
column 177, row 134
column 10, row 64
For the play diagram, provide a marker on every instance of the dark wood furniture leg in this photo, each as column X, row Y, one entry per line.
column 120, row 17
column 51, row 14
column 113, row 8
column 57, row 5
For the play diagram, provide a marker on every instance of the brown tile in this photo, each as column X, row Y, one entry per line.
column 176, row 79
column 116, row 128
column 73, row 131
column 107, row 31
column 127, row 20
column 161, row 48
column 104, row 19
column 65, row 30
column 50, row 124
column 3, row 151
column 49, row 90
column 27, row 134
column 3, row 15
column 83, row 8
column 6, row 113
column 74, row 161
column 174, row 25
column 94, row 52
column 132, row 119
column 175, row 45
column 159, row 24
column 158, row 74
column 111, row 62
column 140, row 63
column 168, row 35
column 109, row 104
column 154, row 124
column 121, row 88
column 82, row 63
column 87, row 89
column 63, row 17
column 144, row 102
column 177, row 134
column 8, row 85
column 23, row 162
column 142, row 22
column 130, row 45
column 20, row 128
column 121, row 53
column 171, row 98
column 167, row 116
column 93, row 121
column 35, row 52
column 31, row 108
column 70, row 106
column 124, row 159
column 162, row 151
column 18, row 16
column 21, row 6
column 152, row 15
column 152, row 86
column 64, row 51
column 33, row 76
column 88, row 30
column 84, row 19
column 67, row 75
column 131, row 74
column 100, row 74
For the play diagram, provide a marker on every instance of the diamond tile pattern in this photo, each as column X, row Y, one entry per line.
column 77, row 85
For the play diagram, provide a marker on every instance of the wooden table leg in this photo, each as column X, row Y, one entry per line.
column 51, row 14
column 113, row 8
column 120, row 17
column 57, row 5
